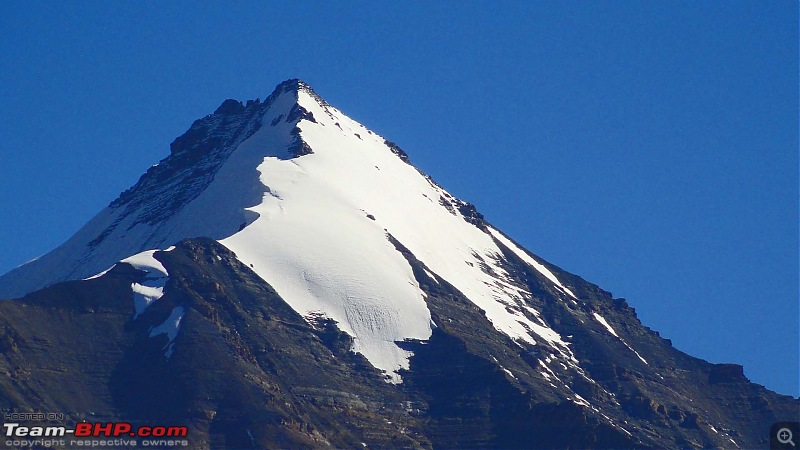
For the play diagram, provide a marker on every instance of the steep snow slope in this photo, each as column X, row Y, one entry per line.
column 321, row 239
column 309, row 199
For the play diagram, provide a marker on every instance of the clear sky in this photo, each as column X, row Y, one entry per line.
column 650, row 147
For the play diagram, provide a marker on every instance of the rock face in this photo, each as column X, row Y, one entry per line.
column 247, row 371
column 462, row 341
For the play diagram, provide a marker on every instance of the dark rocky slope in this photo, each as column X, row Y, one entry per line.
column 248, row 372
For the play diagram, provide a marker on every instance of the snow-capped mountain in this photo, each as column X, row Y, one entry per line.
column 384, row 271
column 310, row 199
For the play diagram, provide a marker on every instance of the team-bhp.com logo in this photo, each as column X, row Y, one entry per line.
column 88, row 429
column 85, row 434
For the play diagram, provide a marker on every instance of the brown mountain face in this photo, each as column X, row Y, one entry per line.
column 247, row 371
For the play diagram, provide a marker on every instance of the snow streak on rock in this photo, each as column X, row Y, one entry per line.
column 170, row 327
column 603, row 321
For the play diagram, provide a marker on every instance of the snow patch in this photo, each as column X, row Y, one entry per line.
column 98, row 275
column 431, row 276
column 252, row 440
column 145, row 261
column 615, row 425
column 508, row 372
column 603, row 322
column 170, row 327
column 152, row 287
column 578, row 400
column 144, row 296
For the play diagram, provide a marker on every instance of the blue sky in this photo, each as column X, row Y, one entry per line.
column 650, row 147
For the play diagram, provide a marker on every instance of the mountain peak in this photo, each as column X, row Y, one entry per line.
column 293, row 86
column 143, row 216
column 323, row 234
